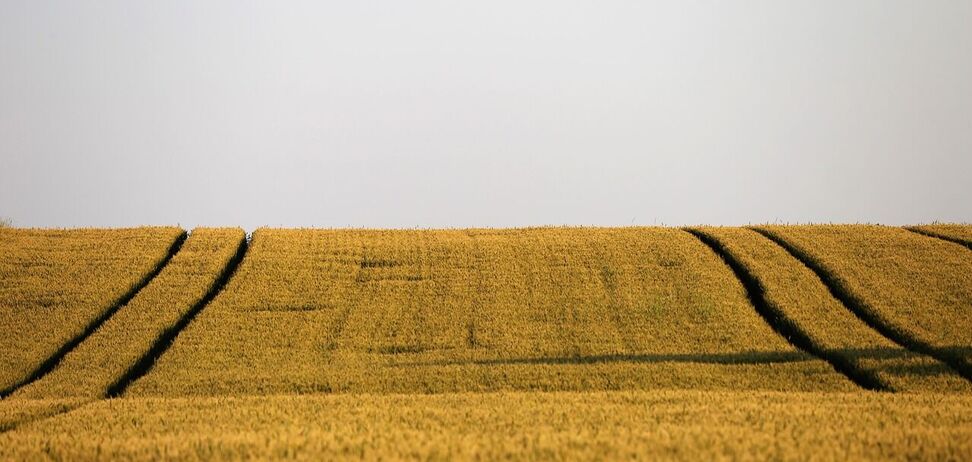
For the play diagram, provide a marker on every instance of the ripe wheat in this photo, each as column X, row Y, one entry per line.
column 102, row 359
column 803, row 299
column 917, row 287
column 54, row 283
column 652, row 425
column 473, row 310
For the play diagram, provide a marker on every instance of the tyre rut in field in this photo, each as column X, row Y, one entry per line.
column 164, row 341
column 51, row 362
column 42, row 416
column 783, row 325
column 934, row 235
column 867, row 314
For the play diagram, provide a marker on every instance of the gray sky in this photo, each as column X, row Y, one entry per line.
column 455, row 114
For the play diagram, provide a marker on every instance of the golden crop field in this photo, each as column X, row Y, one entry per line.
column 534, row 343
column 801, row 299
column 620, row 425
column 17, row 412
column 477, row 310
column 960, row 234
column 55, row 284
column 914, row 287
column 130, row 333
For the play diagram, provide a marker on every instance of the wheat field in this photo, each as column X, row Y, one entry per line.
column 771, row 342
column 914, row 288
column 130, row 333
column 959, row 234
column 803, row 300
column 614, row 425
column 437, row 311
column 54, row 284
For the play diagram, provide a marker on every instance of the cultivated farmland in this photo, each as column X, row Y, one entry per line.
column 56, row 285
column 661, row 424
column 802, row 302
column 132, row 331
column 779, row 342
column 437, row 311
column 960, row 234
column 17, row 412
column 914, row 288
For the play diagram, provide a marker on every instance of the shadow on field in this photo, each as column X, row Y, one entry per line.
column 755, row 357
column 744, row 357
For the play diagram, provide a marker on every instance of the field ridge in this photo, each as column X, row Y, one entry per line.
column 164, row 341
column 783, row 325
column 863, row 311
column 52, row 361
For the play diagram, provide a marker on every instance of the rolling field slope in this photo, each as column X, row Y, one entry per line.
column 914, row 288
column 129, row 335
column 535, row 343
column 800, row 299
column 56, row 285
column 477, row 310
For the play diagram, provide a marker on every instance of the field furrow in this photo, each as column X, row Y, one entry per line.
column 478, row 310
column 115, row 350
column 911, row 288
column 58, row 286
column 803, row 301
column 959, row 234
column 780, row 322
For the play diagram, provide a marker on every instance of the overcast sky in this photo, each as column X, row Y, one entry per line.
column 493, row 113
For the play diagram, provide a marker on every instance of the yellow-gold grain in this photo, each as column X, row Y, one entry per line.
column 17, row 412
column 53, row 283
column 956, row 232
column 102, row 359
column 431, row 311
column 487, row 344
column 649, row 425
column 804, row 300
column 919, row 287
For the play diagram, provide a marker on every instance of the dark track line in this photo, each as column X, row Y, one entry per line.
column 50, row 363
column 37, row 418
column 943, row 237
column 783, row 325
column 164, row 341
column 866, row 313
